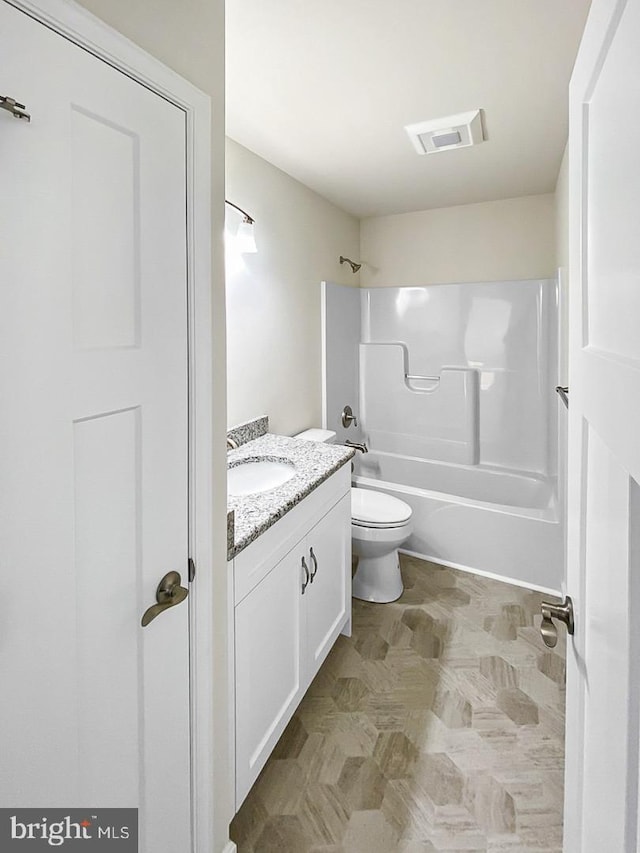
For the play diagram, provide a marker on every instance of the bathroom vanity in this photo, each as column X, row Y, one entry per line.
column 291, row 590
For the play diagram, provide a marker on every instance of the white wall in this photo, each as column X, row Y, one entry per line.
column 273, row 305
column 189, row 37
column 492, row 241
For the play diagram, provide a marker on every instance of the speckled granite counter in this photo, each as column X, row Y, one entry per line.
column 253, row 514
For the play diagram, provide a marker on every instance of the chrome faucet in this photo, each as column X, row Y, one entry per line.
column 361, row 446
column 232, row 444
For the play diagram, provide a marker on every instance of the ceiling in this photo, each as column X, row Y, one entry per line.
column 323, row 88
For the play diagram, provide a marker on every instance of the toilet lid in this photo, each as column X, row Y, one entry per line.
column 377, row 509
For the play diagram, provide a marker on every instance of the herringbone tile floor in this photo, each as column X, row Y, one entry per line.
column 438, row 726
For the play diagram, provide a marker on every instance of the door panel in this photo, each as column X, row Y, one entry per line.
column 107, row 457
column 603, row 561
column 106, row 224
column 610, row 600
column 612, row 246
column 93, row 441
column 329, row 595
column 269, row 652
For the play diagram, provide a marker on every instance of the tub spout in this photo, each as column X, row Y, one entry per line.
column 362, row 447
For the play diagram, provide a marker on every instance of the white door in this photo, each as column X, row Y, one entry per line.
column 93, row 438
column 603, row 689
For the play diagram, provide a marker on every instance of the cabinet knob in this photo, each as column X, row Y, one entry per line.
column 307, row 577
column 315, row 564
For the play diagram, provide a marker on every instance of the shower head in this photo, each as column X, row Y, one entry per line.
column 354, row 267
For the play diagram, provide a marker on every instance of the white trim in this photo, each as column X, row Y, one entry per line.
column 231, row 675
column 323, row 354
column 547, row 590
column 89, row 32
column 230, row 848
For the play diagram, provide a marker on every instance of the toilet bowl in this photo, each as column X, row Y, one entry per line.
column 379, row 525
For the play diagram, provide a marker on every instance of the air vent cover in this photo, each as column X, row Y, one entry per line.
column 443, row 134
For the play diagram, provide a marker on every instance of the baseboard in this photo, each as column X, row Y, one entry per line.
column 491, row 575
column 230, row 847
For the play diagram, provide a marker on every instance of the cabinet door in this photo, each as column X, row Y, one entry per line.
column 328, row 597
column 269, row 665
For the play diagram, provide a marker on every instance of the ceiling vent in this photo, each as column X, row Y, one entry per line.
column 443, row 134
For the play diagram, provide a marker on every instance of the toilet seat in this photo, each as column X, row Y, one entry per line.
column 378, row 510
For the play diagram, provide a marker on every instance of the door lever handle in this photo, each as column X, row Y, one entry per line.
column 168, row 594
column 563, row 613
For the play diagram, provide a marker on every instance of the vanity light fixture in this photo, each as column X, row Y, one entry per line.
column 354, row 267
column 245, row 241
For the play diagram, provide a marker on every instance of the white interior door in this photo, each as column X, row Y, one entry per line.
column 603, row 689
column 93, row 438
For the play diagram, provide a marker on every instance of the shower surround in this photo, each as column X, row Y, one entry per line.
column 454, row 389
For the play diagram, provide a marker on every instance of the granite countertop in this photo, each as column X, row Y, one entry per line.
column 255, row 513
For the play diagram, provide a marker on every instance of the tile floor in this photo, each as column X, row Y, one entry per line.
column 438, row 726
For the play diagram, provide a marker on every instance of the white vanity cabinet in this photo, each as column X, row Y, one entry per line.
column 292, row 599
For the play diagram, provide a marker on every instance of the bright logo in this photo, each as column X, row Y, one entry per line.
column 28, row 830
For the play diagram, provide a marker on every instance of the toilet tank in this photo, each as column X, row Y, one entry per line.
column 325, row 436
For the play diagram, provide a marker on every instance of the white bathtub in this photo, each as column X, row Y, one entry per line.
column 494, row 522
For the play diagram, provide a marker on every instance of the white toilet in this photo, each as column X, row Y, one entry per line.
column 379, row 525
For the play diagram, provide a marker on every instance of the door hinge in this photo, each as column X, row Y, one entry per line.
column 11, row 105
column 192, row 569
column 563, row 392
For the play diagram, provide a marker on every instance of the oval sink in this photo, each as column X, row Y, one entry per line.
column 258, row 475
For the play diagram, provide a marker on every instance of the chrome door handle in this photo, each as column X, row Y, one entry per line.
column 305, row 582
column 563, row 613
column 168, row 594
column 315, row 564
